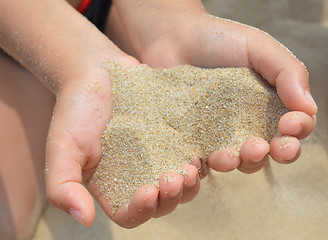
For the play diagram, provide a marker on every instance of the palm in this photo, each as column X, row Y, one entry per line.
column 207, row 41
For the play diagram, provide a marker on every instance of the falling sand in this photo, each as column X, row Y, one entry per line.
column 164, row 118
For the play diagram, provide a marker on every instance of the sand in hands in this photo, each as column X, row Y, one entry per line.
column 163, row 118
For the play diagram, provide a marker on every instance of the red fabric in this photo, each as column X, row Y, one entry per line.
column 84, row 6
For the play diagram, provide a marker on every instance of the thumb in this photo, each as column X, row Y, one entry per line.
column 74, row 141
column 63, row 173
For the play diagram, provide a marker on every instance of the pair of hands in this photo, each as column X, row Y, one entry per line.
column 169, row 37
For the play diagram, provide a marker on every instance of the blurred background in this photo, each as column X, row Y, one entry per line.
column 294, row 205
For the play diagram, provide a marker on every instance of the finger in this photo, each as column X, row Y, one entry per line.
column 281, row 69
column 225, row 160
column 63, row 181
column 191, row 183
column 170, row 193
column 140, row 209
column 201, row 165
column 297, row 124
column 285, row 149
column 229, row 44
column 254, row 154
column 67, row 154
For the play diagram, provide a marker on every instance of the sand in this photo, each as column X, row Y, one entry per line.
column 249, row 208
column 164, row 118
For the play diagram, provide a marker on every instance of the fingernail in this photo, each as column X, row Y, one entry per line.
column 77, row 215
column 310, row 98
column 193, row 182
column 151, row 202
column 196, row 161
column 298, row 129
column 175, row 193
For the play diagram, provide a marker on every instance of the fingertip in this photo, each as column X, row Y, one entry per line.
column 170, row 193
column 297, row 124
column 201, row 165
column 139, row 209
column 171, row 184
column 285, row 149
column 191, row 176
column 292, row 85
column 145, row 198
column 254, row 149
column 80, row 217
column 254, row 154
column 313, row 107
column 191, row 183
column 150, row 196
column 225, row 160
column 74, row 199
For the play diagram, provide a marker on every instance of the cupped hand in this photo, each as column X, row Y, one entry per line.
column 84, row 107
column 82, row 110
column 194, row 37
column 226, row 43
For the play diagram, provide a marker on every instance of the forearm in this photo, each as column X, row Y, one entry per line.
column 49, row 38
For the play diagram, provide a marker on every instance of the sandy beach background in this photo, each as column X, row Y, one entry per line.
column 246, row 207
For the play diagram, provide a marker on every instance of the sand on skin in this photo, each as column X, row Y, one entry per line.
column 247, row 209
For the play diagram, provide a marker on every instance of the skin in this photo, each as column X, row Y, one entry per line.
column 65, row 52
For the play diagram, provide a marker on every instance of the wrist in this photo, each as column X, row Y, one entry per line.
column 151, row 24
column 91, row 78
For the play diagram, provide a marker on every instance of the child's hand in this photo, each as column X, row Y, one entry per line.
column 82, row 110
column 66, row 52
column 184, row 33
